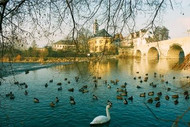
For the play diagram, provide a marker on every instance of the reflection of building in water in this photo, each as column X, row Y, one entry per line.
column 100, row 68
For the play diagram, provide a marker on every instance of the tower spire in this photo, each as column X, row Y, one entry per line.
column 95, row 26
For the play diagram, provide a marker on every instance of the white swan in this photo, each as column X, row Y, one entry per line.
column 102, row 119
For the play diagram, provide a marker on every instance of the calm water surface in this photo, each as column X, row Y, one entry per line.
column 23, row 112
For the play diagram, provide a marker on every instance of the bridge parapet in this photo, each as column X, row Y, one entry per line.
column 172, row 48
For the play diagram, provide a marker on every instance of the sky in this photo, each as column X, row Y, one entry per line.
column 177, row 20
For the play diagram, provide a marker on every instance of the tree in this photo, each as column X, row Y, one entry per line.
column 159, row 34
column 82, row 38
column 35, row 19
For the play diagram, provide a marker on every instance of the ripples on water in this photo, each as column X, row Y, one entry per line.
column 22, row 111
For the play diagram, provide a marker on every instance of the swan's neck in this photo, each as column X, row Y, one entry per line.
column 108, row 113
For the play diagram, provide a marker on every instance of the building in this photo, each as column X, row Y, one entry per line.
column 64, row 45
column 133, row 40
column 136, row 38
column 101, row 41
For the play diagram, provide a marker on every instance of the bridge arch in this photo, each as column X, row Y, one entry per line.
column 138, row 53
column 175, row 51
column 153, row 53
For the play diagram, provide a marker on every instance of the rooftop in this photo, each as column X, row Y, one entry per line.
column 65, row 42
column 102, row 33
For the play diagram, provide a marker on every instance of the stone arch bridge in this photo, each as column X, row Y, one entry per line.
column 174, row 48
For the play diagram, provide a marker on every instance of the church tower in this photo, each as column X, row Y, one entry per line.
column 95, row 27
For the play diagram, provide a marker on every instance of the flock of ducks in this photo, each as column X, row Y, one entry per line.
column 122, row 90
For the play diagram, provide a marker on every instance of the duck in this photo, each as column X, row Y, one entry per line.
column 99, row 77
column 9, row 94
column 162, row 80
column 105, row 81
column 85, row 91
column 117, row 80
column 141, row 81
column 176, row 102
column 167, row 97
column 124, row 93
column 158, row 104
column 157, row 98
column 150, row 100
column 130, row 98
column 102, row 119
column 125, row 101
column 151, row 93
column 27, row 71
column 16, row 83
column 143, row 94
column 109, row 87
column 72, row 101
column 145, row 79
column 186, row 93
column 154, row 85
column 22, row 84
column 51, row 80
column 174, row 77
column 159, row 93
column 168, row 89
column 56, row 99
column 65, row 79
column 119, row 97
column 123, row 86
column 71, row 89
column 46, row 85
column 175, row 96
column 36, row 100
column 85, row 86
column 186, row 97
column 25, row 92
column 134, row 78
column 59, row 83
column 68, row 82
column 76, row 78
column 52, row 104
column 138, row 86
column 12, row 96
column 95, row 85
column 60, row 88
column 95, row 97
column 26, row 86
column 119, row 90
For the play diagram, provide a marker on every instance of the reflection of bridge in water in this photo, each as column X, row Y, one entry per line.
column 174, row 48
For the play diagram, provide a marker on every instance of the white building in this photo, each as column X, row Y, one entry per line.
column 136, row 38
column 65, row 45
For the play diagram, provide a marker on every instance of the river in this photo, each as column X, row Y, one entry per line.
column 23, row 112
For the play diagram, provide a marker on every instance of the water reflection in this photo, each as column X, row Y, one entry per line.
column 127, row 65
column 101, row 125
